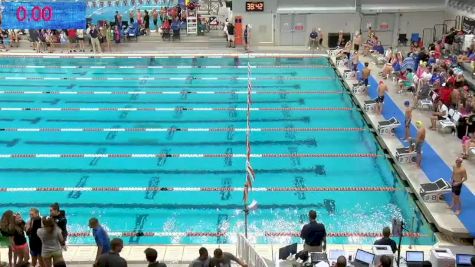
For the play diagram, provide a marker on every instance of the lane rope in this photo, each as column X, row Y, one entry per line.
column 257, row 234
column 187, row 78
column 183, row 109
column 166, row 67
column 166, row 56
column 184, row 92
column 199, row 189
column 228, row 155
column 182, row 129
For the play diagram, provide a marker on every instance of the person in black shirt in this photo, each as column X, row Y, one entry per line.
column 59, row 216
column 32, row 227
column 314, row 234
column 146, row 20
column 386, row 241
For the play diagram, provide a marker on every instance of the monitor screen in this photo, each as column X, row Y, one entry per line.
column 464, row 259
column 414, row 256
column 364, row 256
column 286, row 251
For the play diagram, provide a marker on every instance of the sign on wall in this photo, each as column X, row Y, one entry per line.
column 255, row 6
column 44, row 15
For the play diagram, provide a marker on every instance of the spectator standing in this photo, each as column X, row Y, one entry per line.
column 223, row 259
column 100, row 236
column 118, row 19
column 230, row 34
column 20, row 244
column 96, row 45
column 112, row 258
column 386, row 240
column 313, row 234
column 52, row 242
column 202, row 260
column 131, row 17
column 146, row 20
column 247, row 37
column 155, row 19
column 6, row 229
column 72, row 36
column 59, row 217
column 32, row 227
column 80, row 37
column 151, row 256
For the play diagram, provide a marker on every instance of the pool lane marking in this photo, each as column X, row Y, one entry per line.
column 171, row 56
column 181, row 109
column 198, row 155
column 316, row 66
column 322, row 78
column 184, row 92
column 200, row 189
column 224, row 129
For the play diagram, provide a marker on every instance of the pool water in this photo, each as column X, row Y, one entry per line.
column 215, row 216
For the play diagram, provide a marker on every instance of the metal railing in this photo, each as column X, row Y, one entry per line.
column 248, row 253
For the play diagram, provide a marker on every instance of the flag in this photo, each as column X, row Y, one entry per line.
column 245, row 196
column 251, row 175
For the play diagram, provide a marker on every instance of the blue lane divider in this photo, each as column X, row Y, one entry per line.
column 433, row 165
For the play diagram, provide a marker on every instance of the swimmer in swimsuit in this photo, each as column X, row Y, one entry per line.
column 420, row 138
column 408, row 118
column 382, row 89
column 459, row 176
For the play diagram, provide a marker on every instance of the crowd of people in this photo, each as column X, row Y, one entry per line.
column 42, row 239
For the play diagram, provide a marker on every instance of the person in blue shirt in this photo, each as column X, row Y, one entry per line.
column 100, row 236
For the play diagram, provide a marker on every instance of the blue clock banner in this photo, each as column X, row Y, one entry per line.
column 44, row 15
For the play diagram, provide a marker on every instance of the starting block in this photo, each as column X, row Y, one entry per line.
column 348, row 74
column 341, row 63
column 433, row 192
column 333, row 52
column 387, row 127
column 358, row 88
column 369, row 105
column 405, row 155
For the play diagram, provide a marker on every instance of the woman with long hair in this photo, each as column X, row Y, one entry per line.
column 6, row 229
column 52, row 242
column 20, row 244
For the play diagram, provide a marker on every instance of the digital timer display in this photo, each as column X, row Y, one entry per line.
column 254, row 6
column 44, row 15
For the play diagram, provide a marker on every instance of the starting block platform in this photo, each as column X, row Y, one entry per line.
column 387, row 127
column 405, row 155
column 369, row 105
column 433, row 192
column 358, row 88
column 349, row 74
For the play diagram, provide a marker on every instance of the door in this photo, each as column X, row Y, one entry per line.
column 293, row 29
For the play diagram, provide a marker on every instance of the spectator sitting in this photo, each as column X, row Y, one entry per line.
column 113, row 258
column 151, row 256
column 385, row 261
column 386, row 240
column 202, row 260
column 340, row 261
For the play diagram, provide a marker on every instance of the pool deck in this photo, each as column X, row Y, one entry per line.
column 447, row 146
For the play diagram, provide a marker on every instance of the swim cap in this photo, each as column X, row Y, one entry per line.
column 419, row 124
column 381, row 82
column 407, row 103
column 459, row 159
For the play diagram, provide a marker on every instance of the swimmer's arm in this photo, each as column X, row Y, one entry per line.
column 464, row 177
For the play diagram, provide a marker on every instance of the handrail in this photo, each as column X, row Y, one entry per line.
column 458, row 22
column 247, row 253
column 424, row 34
column 450, row 20
column 444, row 31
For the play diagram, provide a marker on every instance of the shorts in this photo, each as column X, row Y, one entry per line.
column 456, row 189
column 380, row 99
column 35, row 252
column 320, row 41
column 356, row 47
column 53, row 254
column 440, row 118
column 408, row 123
column 230, row 38
column 81, row 39
column 419, row 147
column 365, row 81
column 20, row 247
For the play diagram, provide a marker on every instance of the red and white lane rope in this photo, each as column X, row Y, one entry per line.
column 263, row 78
column 184, row 92
column 165, row 67
column 294, row 155
column 199, row 189
column 182, row 129
column 166, row 56
column 182, row 109
column 257, row 234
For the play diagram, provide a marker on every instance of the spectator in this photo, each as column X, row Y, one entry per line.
column 52, row 241
column 118, row 19
column 313, row 234
column 223, row 259
column 146, row 20
column 32, row 227
column 151, row 256
column 385, row 261
column 472, row 260
column 202, row 260
column 386, row 240
column 155, row 19
column 113, row 258
column 59, row 217
column 80, row 37
column 96, row 45
column 72, row 36
column 440, row 114
column 341, row 261
column 100, row 236
column 230, row 34
column 6, row 229
column 20, row 244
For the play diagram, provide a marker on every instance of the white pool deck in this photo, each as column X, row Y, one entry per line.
column 447, row 146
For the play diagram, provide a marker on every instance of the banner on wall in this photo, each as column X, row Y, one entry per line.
column 468, row 25
column 44, row 15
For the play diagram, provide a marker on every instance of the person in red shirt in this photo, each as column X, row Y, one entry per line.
column 72, row 36
column 451, row 80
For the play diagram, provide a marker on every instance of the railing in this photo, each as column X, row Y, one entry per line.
column 248, row 254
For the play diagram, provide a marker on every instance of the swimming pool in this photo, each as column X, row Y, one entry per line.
column 93, row 123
